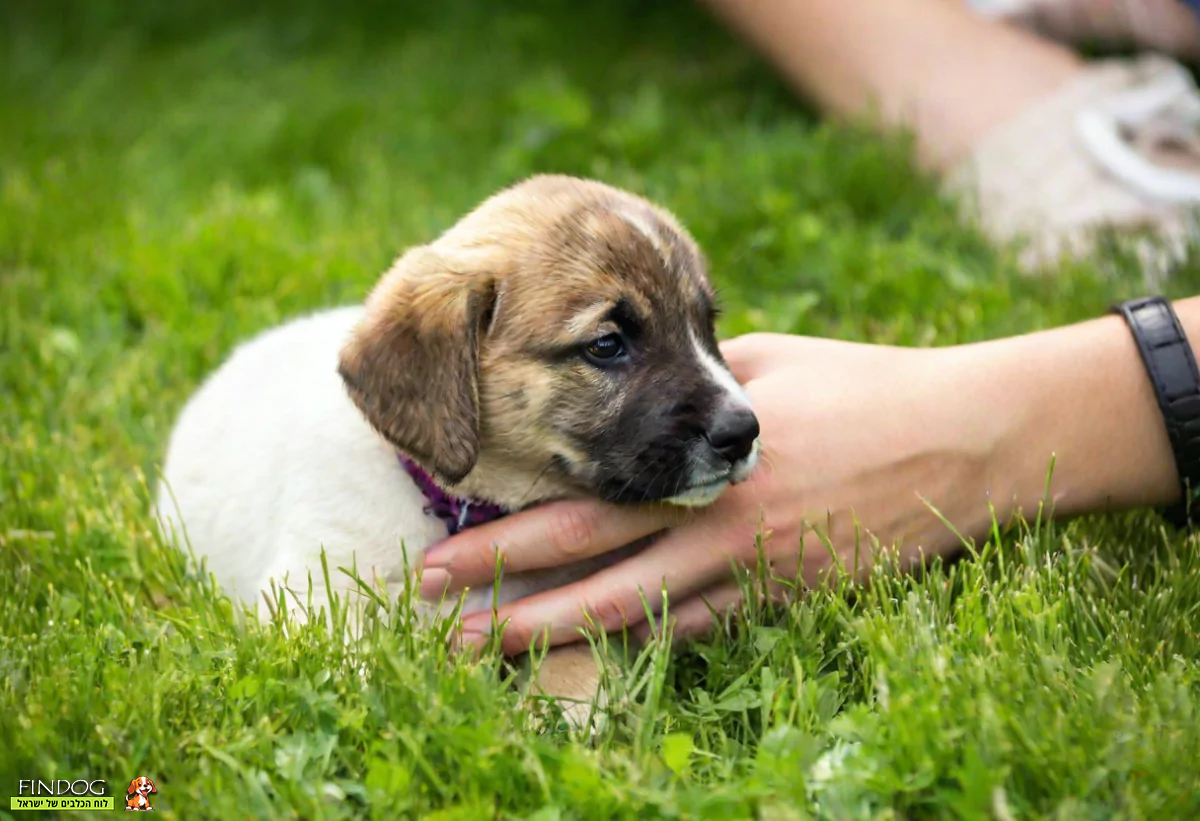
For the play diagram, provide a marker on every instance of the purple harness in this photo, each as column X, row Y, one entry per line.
column 458, row 514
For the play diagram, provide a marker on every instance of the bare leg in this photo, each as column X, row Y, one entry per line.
column 1048, row 147
column 930, row 65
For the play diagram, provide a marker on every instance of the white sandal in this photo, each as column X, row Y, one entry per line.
column 1117, row 148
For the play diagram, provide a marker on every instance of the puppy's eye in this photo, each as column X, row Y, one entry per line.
column 605, row 350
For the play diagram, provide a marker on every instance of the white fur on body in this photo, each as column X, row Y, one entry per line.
column 270, row 461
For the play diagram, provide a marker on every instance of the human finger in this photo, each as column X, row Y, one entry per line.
column 612, row 598
column 696, row 616
column 748, row 355
column 549, row 535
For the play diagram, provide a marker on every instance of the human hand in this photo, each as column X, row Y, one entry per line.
column 848, row 430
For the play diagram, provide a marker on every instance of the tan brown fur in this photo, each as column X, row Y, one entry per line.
column 526, row 251
column 453, row 364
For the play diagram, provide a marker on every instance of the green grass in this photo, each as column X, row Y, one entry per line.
column 177, row 176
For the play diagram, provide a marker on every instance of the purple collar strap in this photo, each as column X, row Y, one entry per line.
column 458, row 514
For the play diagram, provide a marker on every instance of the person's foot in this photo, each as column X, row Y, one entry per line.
column 1117, row 147
column 1168, row 26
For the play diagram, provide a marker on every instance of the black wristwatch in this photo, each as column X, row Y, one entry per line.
column 1171, row 366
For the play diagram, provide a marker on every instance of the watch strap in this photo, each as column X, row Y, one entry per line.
column 1171, row 366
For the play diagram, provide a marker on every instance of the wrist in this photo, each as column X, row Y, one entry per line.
column 1077, row 399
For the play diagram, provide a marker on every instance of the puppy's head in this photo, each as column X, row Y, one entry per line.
column 558, row 341
column 141, row 786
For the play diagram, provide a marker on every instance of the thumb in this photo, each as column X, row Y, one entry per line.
column 750, row 355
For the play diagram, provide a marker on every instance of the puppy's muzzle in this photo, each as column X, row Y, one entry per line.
column 725, row 454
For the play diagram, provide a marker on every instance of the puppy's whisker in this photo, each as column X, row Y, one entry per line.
column 525, row 499
column 629, row 482
column 650, row 484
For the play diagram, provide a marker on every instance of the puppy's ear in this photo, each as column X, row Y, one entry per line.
column 132, row 787
column 153, row 789
column 412, row 365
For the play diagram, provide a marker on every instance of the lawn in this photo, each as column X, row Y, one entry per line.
column 177, row 176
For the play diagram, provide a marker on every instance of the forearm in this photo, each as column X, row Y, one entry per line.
column 914, row 64
column 1079, row 396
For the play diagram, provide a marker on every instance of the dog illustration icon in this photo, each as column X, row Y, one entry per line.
column 137, row 797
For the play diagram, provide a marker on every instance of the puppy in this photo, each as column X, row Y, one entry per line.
column 557, row 342
column 137, row 795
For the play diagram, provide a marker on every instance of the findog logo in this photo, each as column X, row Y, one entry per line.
column 137, row 796
column 62, row 794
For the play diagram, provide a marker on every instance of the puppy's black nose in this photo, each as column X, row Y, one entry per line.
column 733, row 433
